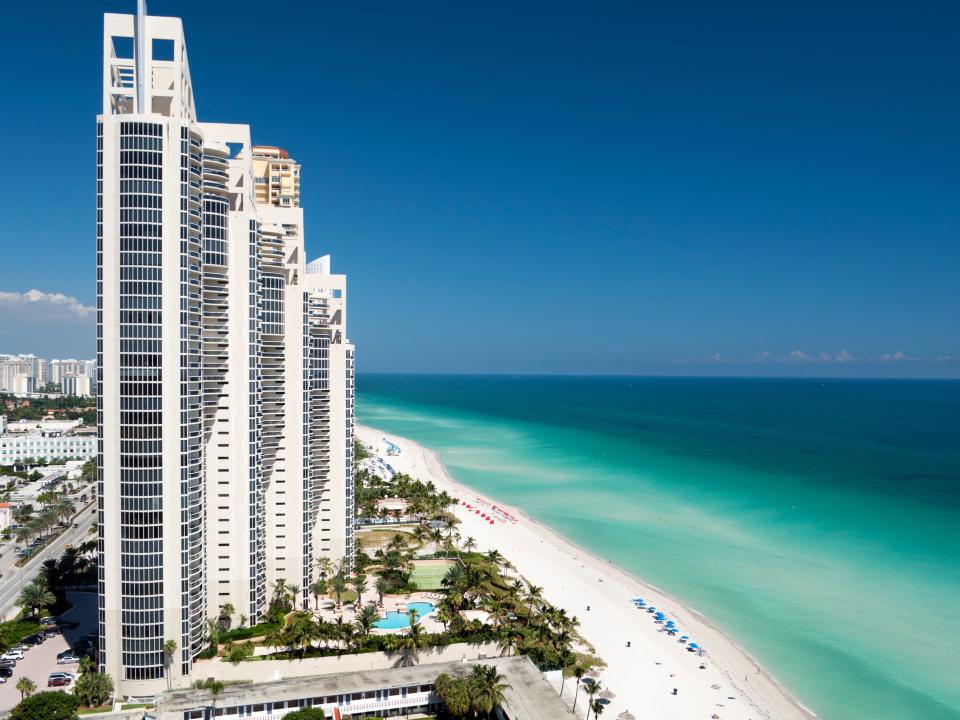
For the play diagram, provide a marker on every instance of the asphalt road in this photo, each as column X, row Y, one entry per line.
column 14, row 578
column 41, row 660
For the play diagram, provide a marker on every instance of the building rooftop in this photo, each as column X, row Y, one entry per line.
column 528, row 697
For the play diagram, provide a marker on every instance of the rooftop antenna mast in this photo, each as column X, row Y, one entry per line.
column 140, row 41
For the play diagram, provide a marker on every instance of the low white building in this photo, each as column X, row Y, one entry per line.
column 16, row 448
column 49, row 428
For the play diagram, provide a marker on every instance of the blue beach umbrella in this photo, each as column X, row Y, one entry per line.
column 684, row 637
column 693, row 645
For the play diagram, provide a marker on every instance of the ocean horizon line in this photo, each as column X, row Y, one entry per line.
column 656, row 376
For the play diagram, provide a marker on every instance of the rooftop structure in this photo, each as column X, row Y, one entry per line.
column 395, row 691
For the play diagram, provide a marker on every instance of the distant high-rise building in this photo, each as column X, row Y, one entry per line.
column 24, row 384
column 225, row 375
column 276, row 177
column 78, row 385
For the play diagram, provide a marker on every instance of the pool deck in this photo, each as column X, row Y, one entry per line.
column 391, row 603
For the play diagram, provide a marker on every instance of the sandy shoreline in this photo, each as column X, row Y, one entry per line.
column 642, row 676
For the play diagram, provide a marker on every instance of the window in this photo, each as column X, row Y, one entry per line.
column 163, row 49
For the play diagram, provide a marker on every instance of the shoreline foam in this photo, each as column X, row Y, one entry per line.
column 642, row 676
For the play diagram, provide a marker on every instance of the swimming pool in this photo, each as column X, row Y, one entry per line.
column 396, row 620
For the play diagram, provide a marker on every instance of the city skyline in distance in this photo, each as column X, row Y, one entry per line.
column 691, row 212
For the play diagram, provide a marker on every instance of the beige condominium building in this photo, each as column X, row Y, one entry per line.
column 225, row 375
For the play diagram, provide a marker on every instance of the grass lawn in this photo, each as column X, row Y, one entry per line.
column 428, row 574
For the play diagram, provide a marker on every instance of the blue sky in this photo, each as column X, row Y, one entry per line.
column 731, row 188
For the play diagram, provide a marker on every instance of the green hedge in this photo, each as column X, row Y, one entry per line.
column 245, row 633
column 12, row 632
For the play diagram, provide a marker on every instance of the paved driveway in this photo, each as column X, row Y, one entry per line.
column 41, row 660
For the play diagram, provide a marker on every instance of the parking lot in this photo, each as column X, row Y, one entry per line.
column 41, row 660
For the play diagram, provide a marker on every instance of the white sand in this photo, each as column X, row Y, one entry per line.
column 642, row 676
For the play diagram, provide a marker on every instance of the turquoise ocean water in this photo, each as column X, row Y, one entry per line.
column 818, row 522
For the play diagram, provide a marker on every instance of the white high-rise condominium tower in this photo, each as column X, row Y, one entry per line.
column 225, row 375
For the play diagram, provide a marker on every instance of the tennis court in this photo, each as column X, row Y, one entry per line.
column 427, row 574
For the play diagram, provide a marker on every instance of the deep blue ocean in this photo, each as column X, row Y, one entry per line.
column 816, row 521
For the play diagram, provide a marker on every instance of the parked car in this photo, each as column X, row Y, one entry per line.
column 34, row 639
column 12, row 654
column 51, row 632
column 67, row 659
column 21, row 647
column 63, row 673
column 5, row 674
column 58, row 681
column 8, row 663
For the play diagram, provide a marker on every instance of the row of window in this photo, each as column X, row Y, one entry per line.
column 141, row 483
column 140, row 128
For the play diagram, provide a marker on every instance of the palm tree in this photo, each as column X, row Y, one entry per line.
column 243, row 620
column 345, row 631
column 24, row 533
column 592, row 690
column 597, row 708
column 36, row 596
column 578, row 672
column 534, row 597
column 65, row 510
column 382, row 586
column 279, row 589
column 436, row 535
column 324, row 567
column 489, row 688
column 213, row 632
column 444, row 616
column 509, row 641
column 495, row 557
column 294, row 591
column 566, row 657
column 338, row 583
column 469, row 544
column 301, row 631
column 226, row 613
column 412, row 640
column 453, row 579
column 169, row 649
column 275, row 638
column 360, row 586
column 317, row 588
column 26, row 686
column 365, row 620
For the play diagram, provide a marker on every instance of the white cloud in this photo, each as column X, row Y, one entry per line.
column 797, row 356
column 49, row 324
column 37, row 301
column 898, row 356
column 843, row 356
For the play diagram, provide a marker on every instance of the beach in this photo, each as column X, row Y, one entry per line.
column 644, row 675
